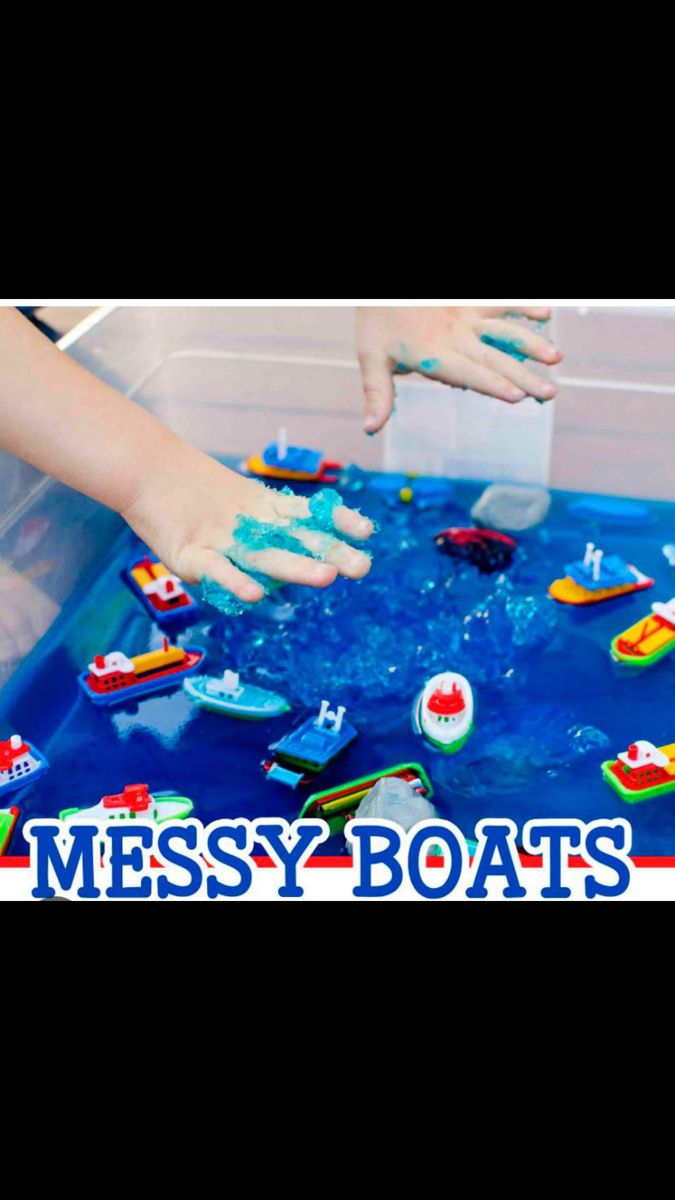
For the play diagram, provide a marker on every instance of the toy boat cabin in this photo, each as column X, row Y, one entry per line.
column 20, row 763
column 650, row 640
column 162, row 593
column 281, row 461
column 114, row 677
column 643, row 772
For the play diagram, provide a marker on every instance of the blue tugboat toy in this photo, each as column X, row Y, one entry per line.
column 162, row 594
column 20, row 764
column 598, row 577
column 116, row 679
column 236, row 699
column 298, row 464
column 311, row 748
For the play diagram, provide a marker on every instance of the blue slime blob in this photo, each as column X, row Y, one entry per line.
column 252, row 536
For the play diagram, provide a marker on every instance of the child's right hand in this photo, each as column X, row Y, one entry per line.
column 187, row 510
column 463, row 347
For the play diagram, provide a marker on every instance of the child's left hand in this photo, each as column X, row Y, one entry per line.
column 457, row 346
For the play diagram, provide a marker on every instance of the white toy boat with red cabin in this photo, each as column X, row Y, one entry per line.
column 444, row 712
column 642, row 773
column 161, row 593
column 115, row 679
column 135, row 803
column 20, row 764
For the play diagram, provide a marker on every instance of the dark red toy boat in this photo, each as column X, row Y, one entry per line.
column 483, row 548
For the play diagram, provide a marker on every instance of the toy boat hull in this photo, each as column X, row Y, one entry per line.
column 567, row 591
column 8, row 820
column 167, row 807
column 183, row 614
column 329, row 472
column 7, row 789
column 161, row 682
column 338, row 804
column 255, row 704
column 644, row 644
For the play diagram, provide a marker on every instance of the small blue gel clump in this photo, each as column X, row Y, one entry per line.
column 252, row 536
column 511, row 346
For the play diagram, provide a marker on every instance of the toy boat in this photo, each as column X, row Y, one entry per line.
column 312, row 747
column 422, row 492
column 598, row 577
column 115, row 679
column 642, row 773
column 228, row 695
column 339, row 804
column 161, row 593
column 298, row 463
column 650, row 640
column 20, row 764
column 135, row 803
column 8, row 820
column 483, row 548
column 444, row 712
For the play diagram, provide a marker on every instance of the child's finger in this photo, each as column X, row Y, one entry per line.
column 352, row 523
column 211, row 565
column 378, row 391
column 351, row 563
column 292, row 568
column 346, row 520
column 532, row 314
column 461, row 371
column 524, row 340
column 521, row 376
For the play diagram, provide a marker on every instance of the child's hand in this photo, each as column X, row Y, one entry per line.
column 458, row 346
column 187, row 511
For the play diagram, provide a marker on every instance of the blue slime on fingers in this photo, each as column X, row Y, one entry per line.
column 514, row 347
column 252, row 536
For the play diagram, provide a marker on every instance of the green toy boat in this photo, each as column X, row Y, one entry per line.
column 340, row 803
column 648, row 641
column 8, row 819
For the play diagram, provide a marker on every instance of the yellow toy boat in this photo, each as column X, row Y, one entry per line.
column 648, row 641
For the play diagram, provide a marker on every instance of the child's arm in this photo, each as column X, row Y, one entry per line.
column 184, row 504
column 458, row 346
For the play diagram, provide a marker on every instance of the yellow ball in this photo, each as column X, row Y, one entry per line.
column 407, row 495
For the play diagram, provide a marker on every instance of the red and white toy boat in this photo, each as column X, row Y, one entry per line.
column 115, row 679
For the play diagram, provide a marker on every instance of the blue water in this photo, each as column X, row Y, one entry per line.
column 550, row 704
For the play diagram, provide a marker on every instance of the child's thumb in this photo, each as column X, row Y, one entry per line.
column 378, row 390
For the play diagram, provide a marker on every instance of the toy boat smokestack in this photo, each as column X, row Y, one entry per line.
column 326, row 717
